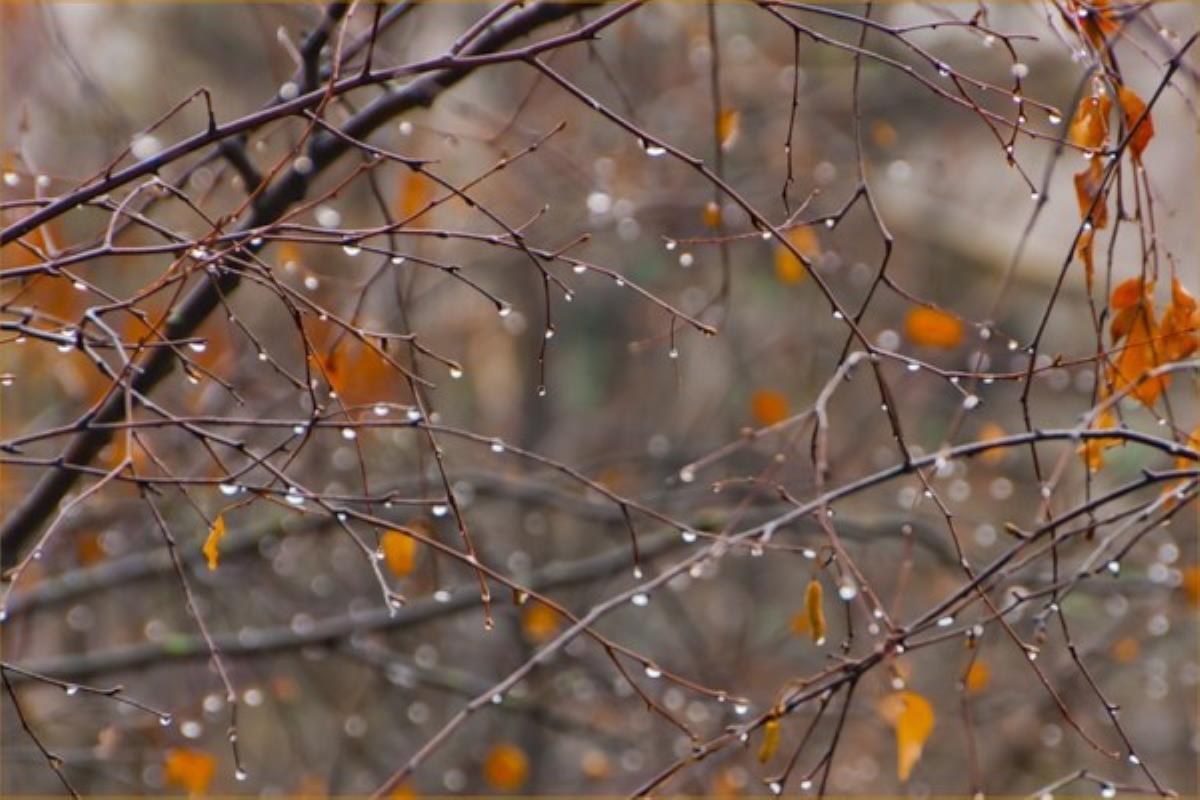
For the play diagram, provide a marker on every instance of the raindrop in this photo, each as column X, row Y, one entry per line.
column 71, row 689
column 653, row 150
column 228, row 489
column 456, row 372
column 673, row 353
column 439, row 510
column 1054, row 119
column 349, row 433
column 504, row 310
column 351, row 249
column 1114, row 567
column 165, row 720
column 641, row 599
column 776, row 787
column 497, row 446
column 240, row 774
column 945, row 622
column 653, row 671
column 688, row 536
column 970, row 401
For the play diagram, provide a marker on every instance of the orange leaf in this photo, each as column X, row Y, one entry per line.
column 1087, row 186
column 1180, row 323
column 711, row 215
column 978, row 676
column 815, row 611
column 788, row 268
column 1141, row 351
column 1089, row 126
column 506, row 768
column 1092, row 450
column 190, row 770
column 210, row 544
column 539, row 623
column 770, row 741
column 1132, row 108
column 1126, row 650
column 728, row 127
column 768, row 407
column 930, row 327
column 990, row 432
column 1083, row 249
column 399, row 552
column 416, row 192
column 912, row 717
column 1191, row 584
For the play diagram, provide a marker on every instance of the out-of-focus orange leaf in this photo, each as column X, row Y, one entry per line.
column 188, row 769
column 930, row 327
column 88, row 549
column 814, row 610
column 883, row 134
column 770, row 740
column 912, row 717
column 416, row 192
column 768, row 406
column 1191, row 584
column 729, row 125
column 210, row 549
column 1089, row 126
column 1087, row 187
column 990, row 432
column 311, row 787
column 711, row 215
column 726, row 784
column 596, row 765
column 399, row 552
column 1126, row 650
column 788, row 268
column 506, row 767
column 1132, row 109
column 405, row 791
column 539, row 623
column 978, row 676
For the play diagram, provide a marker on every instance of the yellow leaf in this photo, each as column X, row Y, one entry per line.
column 978, row 676
column 1143, row 350
column 912, row 717
column 210, row 544
column 190, row 770
column 770, row 741
column 768, row 406
column 728, row 127
column 930, row 327
column 1191, row 584
column 506, row 768
column 399, row 552
column 814, row 611
column 788, row 268
column 1132, row 109
column 539, row 623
